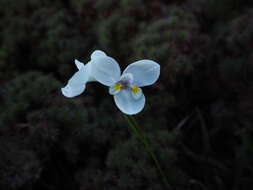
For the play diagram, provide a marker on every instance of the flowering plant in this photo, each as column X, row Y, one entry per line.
column 124, row 87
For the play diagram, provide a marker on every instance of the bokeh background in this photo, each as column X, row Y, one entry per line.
column 199, row 115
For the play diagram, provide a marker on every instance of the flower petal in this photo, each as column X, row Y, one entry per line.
column 145, row 72
column 76, row 84
column 105, row 70
column 72, row 91
column 79, row 64
column 97, row 53
column 127, row 103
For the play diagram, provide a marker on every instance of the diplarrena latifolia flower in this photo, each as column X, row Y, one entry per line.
column 124, row 87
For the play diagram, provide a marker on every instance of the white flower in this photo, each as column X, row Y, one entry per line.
column 77, row 83
column 125, row 88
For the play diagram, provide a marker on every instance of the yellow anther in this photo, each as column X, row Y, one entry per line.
column 118, row 86
column 135, row 89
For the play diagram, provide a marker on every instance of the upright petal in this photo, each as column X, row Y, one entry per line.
column 97, row 53
column 105, row 70
column 76, row 84
column 127, row 103
column 145, row 72
column 127, row 77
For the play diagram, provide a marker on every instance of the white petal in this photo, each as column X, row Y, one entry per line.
column 76, row 84
column 105, row 70
column 145, row 72
column 97, row 53
column 90, row 78
column 79, row 64
column 127, row 103
column 72, row 91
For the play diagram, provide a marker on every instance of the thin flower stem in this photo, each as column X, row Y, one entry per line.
column 137, row 130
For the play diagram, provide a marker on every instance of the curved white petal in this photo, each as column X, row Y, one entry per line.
column 72, row 91
column 76, row 84
column 97, row 53
column 127, row 103
column 145, row 72
column 79, row 64
column 105, row 70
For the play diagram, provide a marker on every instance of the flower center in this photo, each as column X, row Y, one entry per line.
column 125, row 83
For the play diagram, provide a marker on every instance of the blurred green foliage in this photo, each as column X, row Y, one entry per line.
column 198, row 116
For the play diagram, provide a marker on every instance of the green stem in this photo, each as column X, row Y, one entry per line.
column 137, row 130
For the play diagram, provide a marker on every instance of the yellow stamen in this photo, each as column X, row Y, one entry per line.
column 135, row 89
column 118, row 86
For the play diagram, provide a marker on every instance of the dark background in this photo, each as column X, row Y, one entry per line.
column 199, row 115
